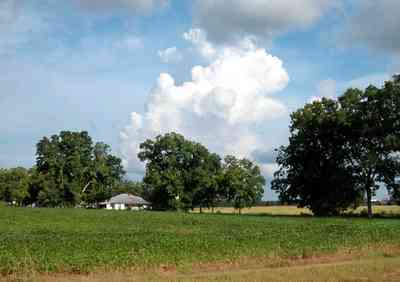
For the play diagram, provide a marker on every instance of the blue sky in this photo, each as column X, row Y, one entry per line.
column 95, row 65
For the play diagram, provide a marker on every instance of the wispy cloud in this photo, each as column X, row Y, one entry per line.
column 170, row 55
column 19, row 26
column 136, row 6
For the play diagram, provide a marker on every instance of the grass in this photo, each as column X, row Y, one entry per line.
column 80, row 241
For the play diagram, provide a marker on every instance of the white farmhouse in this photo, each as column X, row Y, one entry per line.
column 126, row 202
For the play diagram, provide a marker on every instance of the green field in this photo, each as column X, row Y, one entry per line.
column 77, row 240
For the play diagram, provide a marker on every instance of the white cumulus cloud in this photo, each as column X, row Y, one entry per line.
column 222, row 105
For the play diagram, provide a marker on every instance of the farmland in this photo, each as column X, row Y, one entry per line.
column 382, row 211
column 81, row 241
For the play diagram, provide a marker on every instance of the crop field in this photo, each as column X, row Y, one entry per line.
column 387, row 211
column 89, row 241
column 266, row 210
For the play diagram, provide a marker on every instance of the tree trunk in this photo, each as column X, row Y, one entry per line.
column 212, row 209
column 240, row 211
column 201, row 209
column 369, row 202
column 86, row 186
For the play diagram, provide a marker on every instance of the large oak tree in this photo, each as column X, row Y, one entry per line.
column 178, row 172
column 70, row 170
column 340, row 150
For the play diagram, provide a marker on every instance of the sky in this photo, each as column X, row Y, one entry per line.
column 224, row 73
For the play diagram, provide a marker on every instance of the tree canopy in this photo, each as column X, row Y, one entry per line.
column 312, row 171
column 242, row 182
column 71, row 170
column 182, row 174
column 14, row 185
column 340, row 150
column 176, row 171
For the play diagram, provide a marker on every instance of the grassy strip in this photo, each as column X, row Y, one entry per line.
column 81, row 241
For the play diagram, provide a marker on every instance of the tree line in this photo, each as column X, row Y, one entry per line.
column 182, row 174
column 70, row 170
column 342, row 150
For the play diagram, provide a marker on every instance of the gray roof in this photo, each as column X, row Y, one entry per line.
column 127, row 199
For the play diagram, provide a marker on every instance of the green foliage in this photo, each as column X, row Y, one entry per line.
column 104, row 175
column 70, row 170
column 78, row 240
column 373, row 117
column 180, row 174
column 313, row 172
column 14, row 185
column 242, row 182
column 129, row 187
column 340, row 150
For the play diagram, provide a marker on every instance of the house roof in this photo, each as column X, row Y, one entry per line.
column 127, row 199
